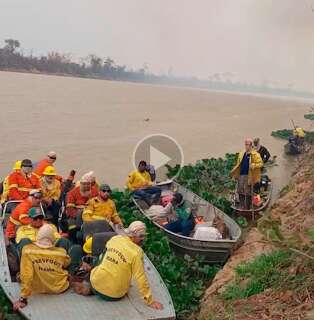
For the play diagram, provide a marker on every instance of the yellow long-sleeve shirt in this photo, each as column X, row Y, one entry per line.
column 256, row 164
column 5, row 193
column 299, row 132
column 98, row 209
column 138, row 180
column 29, row 232
column 51, row 192
column 122, row 261
column 43, row 270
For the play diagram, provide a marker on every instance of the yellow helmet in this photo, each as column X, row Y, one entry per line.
column 17, row 165
column 87, row 247
column 50, row 171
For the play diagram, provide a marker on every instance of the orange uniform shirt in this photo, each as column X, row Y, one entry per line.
column 76, row 201
column 42, row 165
column 18, row 217
column 20, row 185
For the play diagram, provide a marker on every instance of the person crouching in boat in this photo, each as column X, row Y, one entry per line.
column 247, row 171
column 264, row 153
column 43, row 267
column 140, row 184
column 111, row 279
column 76, row 201
column 51, row 188
column 19, row 216
column 102, row 208
column 184, row 222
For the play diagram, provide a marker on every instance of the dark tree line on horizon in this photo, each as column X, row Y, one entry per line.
column 93, row 66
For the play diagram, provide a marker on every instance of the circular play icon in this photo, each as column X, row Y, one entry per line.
column 158, row 150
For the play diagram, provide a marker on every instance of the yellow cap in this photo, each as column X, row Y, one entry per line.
column 50, row 171
column 17, row 165
column 87, row 247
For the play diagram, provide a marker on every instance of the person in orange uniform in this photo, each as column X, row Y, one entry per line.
column 43, row 164
column 22, row 181
column 76, row 201
column 19, row 216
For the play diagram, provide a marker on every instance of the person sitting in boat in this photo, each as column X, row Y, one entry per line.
column 184, row 222
column 19, row 216
column 102, row 208
column 43, row 267
column 123, row 261
column 51, row 188
column 22, row 181
column 49, row 161
column 27, row 233
column 76, row 201
column 247, row 171
column 141, row 185
column 264, row 153
column 5, row 191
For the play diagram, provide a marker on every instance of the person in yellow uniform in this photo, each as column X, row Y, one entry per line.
column 43, row 267
column 51, row 189
column 5, row 193
column 123, row 260
column 140, row 184
column 102, row 208
column 247, row 171
column 27, row 234
column 298, row 135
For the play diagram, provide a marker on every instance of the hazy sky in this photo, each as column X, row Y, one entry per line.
column 254, row 40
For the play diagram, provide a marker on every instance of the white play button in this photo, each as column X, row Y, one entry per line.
column 157, row 159
column 158, row 150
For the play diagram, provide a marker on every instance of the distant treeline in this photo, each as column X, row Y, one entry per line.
column 93, row 66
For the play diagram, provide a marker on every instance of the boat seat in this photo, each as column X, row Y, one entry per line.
column 90, row 228
column 99, row 242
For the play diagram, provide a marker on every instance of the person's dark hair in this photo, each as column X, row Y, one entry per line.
column 142, row 163
column 177, row 198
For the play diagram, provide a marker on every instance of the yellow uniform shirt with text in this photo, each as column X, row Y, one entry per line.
column 43, row 270
column 122, row 261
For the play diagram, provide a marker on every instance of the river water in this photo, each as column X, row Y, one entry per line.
column 95, row 124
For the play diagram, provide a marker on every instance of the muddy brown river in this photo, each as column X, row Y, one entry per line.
column 95, row 124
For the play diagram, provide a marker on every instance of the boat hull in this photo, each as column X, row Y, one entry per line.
column 213, row 252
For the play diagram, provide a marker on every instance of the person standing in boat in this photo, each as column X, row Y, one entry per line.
column 123, row 260
column 43, row 267
column 264, row 153
column 102, row 208
column 140, row 183
column 22, row 181
column 247, row 171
